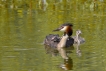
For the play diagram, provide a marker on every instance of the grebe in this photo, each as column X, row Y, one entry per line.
column 78, row 40
column 60, row 43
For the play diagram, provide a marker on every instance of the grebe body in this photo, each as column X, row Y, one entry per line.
column 61, row 42
column 55, row 41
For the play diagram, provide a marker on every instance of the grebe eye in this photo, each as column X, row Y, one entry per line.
column 62, row 27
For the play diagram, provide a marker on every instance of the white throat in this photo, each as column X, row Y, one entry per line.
column 62, row 42
column 61, row 46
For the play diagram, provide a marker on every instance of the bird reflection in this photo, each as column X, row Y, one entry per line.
column 51, row 51
column 67, row 65
column 55, row 52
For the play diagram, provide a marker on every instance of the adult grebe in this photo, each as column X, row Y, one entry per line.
column 60, row 43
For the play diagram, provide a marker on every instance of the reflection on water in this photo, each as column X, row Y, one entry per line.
column 24, row 24
column 51, row 51
column 68, row 63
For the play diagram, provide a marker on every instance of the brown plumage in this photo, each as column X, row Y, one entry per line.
column 69, row 31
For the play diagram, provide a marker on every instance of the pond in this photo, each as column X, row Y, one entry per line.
column 24, row 25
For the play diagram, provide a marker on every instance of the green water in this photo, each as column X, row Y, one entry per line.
column 24, row 25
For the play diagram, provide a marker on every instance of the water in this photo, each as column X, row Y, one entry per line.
column 24, row 25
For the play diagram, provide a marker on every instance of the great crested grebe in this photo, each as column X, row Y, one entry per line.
column 60, row 43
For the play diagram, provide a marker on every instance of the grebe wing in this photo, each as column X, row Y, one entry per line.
column 82, row 40
column 52, row 40
column 69, row 42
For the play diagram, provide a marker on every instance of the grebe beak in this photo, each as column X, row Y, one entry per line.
column 58, row 29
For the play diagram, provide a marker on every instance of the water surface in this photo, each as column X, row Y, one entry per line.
column 24, row 25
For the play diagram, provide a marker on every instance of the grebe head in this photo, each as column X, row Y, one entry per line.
column 78, row 32
column 66, row 28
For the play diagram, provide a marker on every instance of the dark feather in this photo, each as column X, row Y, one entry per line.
column 52, row 40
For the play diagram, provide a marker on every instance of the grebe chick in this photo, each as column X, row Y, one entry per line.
column 60, row 43
column 78, row 39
